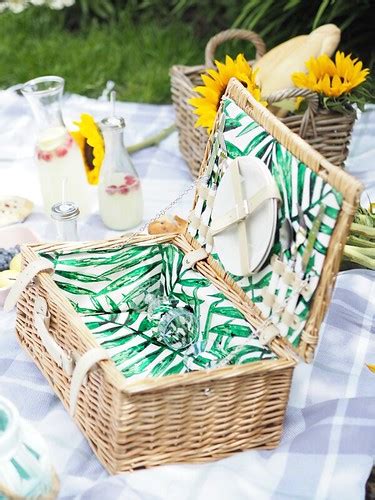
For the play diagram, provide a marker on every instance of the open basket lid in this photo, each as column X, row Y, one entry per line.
column 273, row 214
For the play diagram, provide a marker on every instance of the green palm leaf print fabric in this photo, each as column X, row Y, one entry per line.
column 298, row 186
column 109, row 289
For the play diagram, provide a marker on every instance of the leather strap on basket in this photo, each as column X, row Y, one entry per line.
column 267, row 333
column 233, row 34
column 41, row 321
column 238, row 196
column 83, row 366
column 244, row 208
column 194, row 256
column 238, row 215
column 24, row 279
column 73, row 367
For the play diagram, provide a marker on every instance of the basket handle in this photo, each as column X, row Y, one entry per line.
column 73, row 366
column 312, row 100
column 233, row 34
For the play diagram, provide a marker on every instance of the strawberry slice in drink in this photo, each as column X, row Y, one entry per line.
column 111, row 189
column 123, row 189
column 130, row 180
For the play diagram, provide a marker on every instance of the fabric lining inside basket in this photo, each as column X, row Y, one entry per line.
column 108, row 289
column 298, row 186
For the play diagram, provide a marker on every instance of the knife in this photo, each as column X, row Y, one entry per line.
column 312, row 237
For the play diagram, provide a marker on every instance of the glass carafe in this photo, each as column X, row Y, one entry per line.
column 60, row 163
column 120, row 194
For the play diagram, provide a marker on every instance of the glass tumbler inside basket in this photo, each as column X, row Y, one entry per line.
column 120, row 194
column 175, row 326
column 60, row 163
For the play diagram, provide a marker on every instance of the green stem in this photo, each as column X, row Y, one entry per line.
column 362, row 230
column 357, row 241
column 355, row 255
column 153, row 140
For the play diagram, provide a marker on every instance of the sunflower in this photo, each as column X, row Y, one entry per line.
column 215, row 83
column 331, row 78
column 90, row 142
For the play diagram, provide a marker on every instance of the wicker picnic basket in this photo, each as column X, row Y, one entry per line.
column 328, row 132
column 190, row 417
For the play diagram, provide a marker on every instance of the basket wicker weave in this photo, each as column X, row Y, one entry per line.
column 196, row 416
column 328, row 132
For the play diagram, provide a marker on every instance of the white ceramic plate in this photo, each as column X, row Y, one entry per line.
column 260, row 225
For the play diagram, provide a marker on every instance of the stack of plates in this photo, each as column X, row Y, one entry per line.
column 260, row 225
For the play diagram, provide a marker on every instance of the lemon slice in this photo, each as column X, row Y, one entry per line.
column 9, row 275
column 4, row 283
column 15, row 263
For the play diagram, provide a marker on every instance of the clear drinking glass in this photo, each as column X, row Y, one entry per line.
column 58, row 157
column 120, row 194
column 176, row 327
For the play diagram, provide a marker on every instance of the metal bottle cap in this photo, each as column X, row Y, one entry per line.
column 112, row 122
column 64, row 210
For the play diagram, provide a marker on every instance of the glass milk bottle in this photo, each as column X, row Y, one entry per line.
column 57, row 155
column 120, row 194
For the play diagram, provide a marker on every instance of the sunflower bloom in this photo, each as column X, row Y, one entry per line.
column 90, row 141
column 331, row 78
column 215, row 82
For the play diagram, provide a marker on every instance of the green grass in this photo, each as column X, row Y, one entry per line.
column 136, row 56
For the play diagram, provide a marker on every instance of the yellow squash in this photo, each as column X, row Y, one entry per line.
column 276, row 66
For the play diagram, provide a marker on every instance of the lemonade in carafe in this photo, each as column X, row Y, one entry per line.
column 58, row 157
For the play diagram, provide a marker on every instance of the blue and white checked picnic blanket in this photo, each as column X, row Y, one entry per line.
column 328, row 445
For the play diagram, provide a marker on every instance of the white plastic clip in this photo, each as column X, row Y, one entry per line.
column 193, row 257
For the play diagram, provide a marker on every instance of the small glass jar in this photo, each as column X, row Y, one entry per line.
column 120, row 194
column 25, row 465
column 65, row 214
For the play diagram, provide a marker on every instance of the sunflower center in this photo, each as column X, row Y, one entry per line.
column 89, row 155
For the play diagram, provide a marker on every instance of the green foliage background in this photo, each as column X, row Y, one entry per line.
column 135, row 42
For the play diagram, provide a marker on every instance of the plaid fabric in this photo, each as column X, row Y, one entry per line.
column 329, row 438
